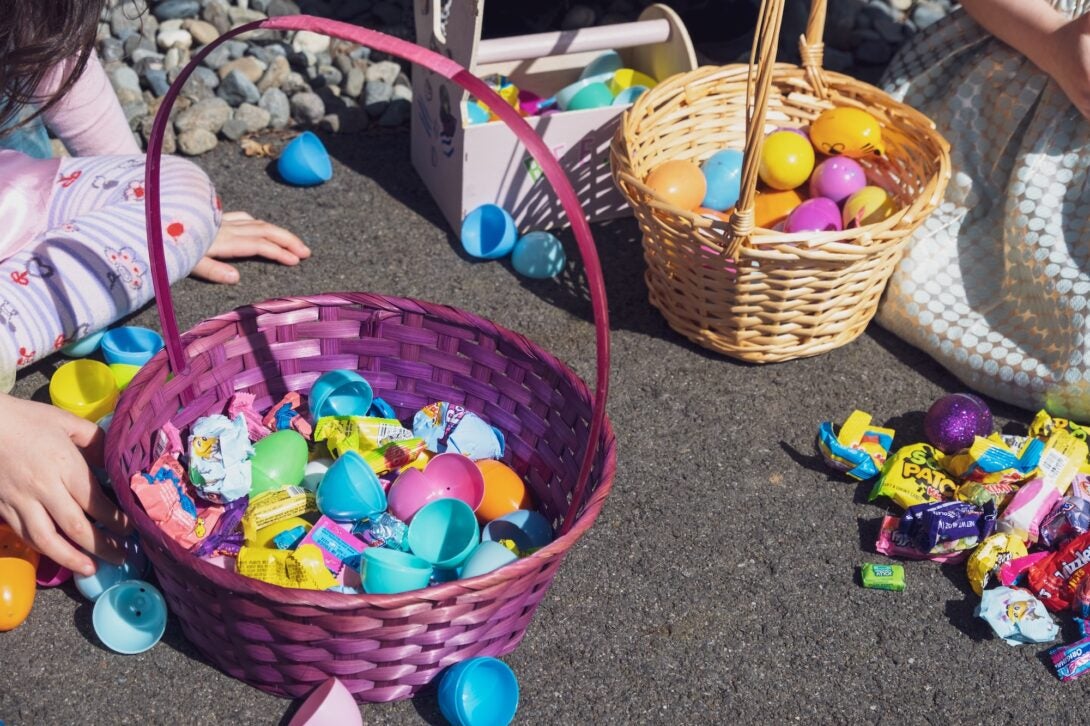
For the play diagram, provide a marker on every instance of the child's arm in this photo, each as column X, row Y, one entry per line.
column 1058, row 46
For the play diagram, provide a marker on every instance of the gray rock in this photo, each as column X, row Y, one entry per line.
column 275, row 74
column 282, row 7
column 376, row 95
column 874, row 52
column 276, row 103
column 103, row 31
column 149, row 26
column 170, row 140
column 927, row 13
column 294, row 83
column 207, row 76
column 332, row 76
column 175, row 39
column 209, row 115
column 174, row 58
column 146, row 64
column 124, row 18
column 195, row 89
column 353, row 83
column 124, row 78
column 170, row 25
column 254, row 117
column 243, row 15
column 307, row 108
column 343, row 63
column 261, row 6
column 578, row 16
column 237, row 48
column 176, row 9
column 217, row 58
column 305, row 41
column 110, row 50
column 396, row 113
column 261, row 53
column 361, row 53
column 901, row 5
column 142, row 56
column 251, row 68
column 196, row 142
column 215, row 12
column 234, row 129
column 236, row 89
column 157, row 81
column 383, row 71
column 138, row 42
column 202, row 31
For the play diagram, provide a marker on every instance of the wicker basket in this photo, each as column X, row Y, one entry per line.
column 752, row 293
column 383, row 647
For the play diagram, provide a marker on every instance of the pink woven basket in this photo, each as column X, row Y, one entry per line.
column 383, row 647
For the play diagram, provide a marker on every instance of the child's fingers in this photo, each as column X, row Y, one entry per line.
column 39, row 533
column 215, row 271
column 85, row 434
column 88, row 494
column 260, row 247
column 272, row 233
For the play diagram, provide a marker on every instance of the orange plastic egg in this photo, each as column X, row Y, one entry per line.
column 18, row 564
column 787, row 159
column 713, row 214
column 504, row 491
column 681, row 183
column 771, row 207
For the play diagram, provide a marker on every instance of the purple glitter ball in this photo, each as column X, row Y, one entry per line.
column 954, row 420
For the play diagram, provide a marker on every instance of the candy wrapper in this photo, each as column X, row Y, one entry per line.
column 894, row 544
column 1071, row 660
column 221, row 539
column 168, row 440
column 450, row 427
column 1055, row 578
column 857, row 449
column 303, row 568
column 1017, row 616
column 219, row 458
column 1060, row 461
column 338, row 546
column 383, row 530
column 275, row 506
column 913, row 476
column 1044, row 426
column 1080, row 485
column 163, row 492
column 947, row 526
column 285, row 415
column 242, row 404
column 1013, row 572
column 883, row 577
column 990, row 461
column 358, row 433
column 992, row 554
column 1069, row 518
column 1080, row 601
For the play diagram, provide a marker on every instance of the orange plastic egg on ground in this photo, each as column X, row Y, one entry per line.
column 771, row 207
column 787, row 159
column 504, row 491
column 681, row 183
column 18, row 564
column 869, row 205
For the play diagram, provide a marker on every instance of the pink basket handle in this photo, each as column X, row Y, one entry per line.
column 451, row 70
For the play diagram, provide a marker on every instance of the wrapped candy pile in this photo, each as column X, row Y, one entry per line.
column 1015, row 509
column 344, row 496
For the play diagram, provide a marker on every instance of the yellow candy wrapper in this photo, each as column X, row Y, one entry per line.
column 991, row 461
column 993, row 553
column 1064, row 453
column 274, row 506
column 358, row 433
column 394, row 455
column 858, row 448
column 913, row 476
column 1043, row 426
column 302, row 569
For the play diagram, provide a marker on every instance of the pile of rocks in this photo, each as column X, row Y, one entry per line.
column 269, row 80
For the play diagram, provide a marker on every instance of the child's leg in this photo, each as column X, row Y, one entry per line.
column 91, row 266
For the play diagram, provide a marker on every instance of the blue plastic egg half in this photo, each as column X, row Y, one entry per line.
column 538, row 255
column 723, row 174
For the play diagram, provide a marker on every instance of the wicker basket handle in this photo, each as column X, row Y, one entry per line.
column 762, row 59
column 449, row 69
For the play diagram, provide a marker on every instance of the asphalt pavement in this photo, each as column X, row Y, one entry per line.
column 720, row 583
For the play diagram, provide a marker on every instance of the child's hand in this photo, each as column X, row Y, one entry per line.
column 1067, row 60
column 241, row 235
column 46, row 485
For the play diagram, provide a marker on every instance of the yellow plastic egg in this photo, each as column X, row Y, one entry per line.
column 847, row 132
column 869, row 205
column 678, row 182
column 787, row 159
column 772, row 207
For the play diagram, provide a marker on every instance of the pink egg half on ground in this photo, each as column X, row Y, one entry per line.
column 814, row 215
column 837, row 178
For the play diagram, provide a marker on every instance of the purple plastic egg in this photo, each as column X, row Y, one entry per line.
column 814, row 215
column 837, row 178
column 955, row 420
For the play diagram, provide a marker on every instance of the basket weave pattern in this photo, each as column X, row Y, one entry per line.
column 753, row 293
column 384, row 647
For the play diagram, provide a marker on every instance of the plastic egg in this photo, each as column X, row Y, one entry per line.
column 18, row 565
column 787, row 159
column 329, row 703
column 814, row 215
column 837, row 178
column 481, row 691
column 723, row 176
column 305, row 162
column 678, row 182
column 538, row 255
column 279, row 460
column 130, row 617
column 869, row 205
column 848, row 132
column 771, row 207
column 504, row 491
column 488, row 232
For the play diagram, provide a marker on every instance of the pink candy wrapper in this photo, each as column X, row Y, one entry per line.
column 167, row 498
column 1012, row 571
column 339, row 547
column 242, row 404
column 893, row 544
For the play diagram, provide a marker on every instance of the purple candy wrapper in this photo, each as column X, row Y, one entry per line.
column 226, row 528
column 1080, row 603
column 1069, row 518
column 1071, row 660
column 932, row 523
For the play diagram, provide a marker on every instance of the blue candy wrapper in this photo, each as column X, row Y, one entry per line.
column 383, row 530
column 1017, row 616
column 219, row 458
column 858, row 449
column 1071, row 660
column 450, row 427
column 931, row 524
